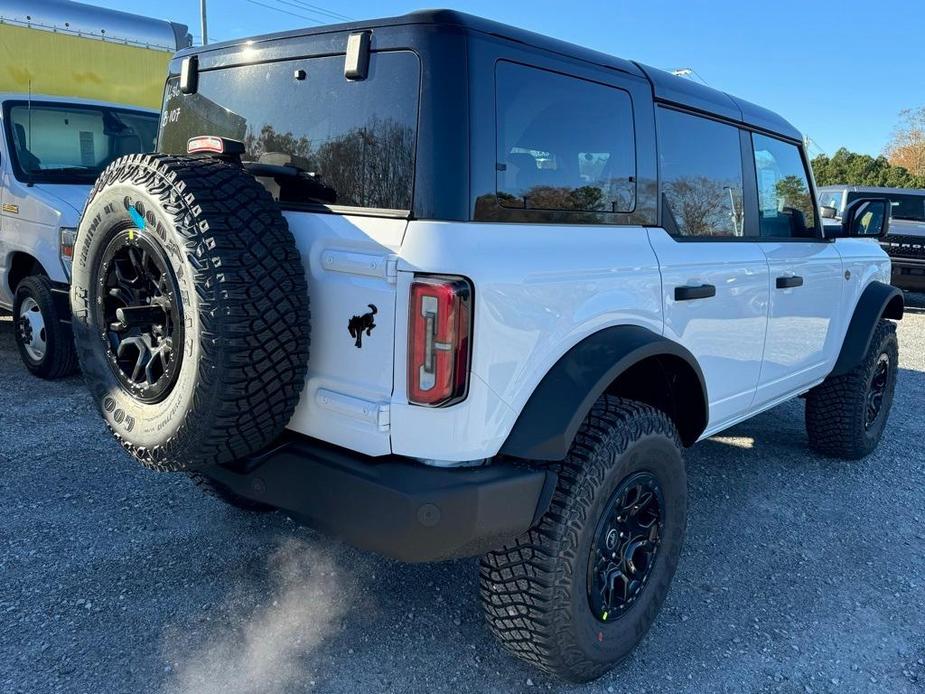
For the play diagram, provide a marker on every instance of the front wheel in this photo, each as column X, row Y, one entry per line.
column 45, row 343
column 846, row 414
column 577, row 593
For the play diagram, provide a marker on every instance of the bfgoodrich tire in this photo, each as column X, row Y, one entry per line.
column 617, row 518
column 190, row 310
column 846, row 414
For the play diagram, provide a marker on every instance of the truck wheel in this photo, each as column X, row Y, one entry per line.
column 219, row 491
column 45, row 343
column 190, row 310
column 846, row 414
column 575, row 594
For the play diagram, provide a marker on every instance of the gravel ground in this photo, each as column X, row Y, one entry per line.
column 800, row 574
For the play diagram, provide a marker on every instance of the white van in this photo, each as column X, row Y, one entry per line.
column 60, row 129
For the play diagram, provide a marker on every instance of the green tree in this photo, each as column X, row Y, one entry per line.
column 851, row 168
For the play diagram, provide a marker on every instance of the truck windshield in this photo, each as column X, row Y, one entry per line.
column 70, row 143
column 905, row 206
column 352, row 142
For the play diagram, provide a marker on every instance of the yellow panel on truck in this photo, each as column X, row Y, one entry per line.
column 69, row 49
column 45, row 62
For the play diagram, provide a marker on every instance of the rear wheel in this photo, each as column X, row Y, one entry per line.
column 190, row 310
column 45, row 343
column 576, row 593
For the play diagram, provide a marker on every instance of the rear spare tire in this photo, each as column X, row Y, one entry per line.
column 190, row 310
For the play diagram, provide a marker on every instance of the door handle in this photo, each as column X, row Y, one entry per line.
column 789, row 282
column 703, row 291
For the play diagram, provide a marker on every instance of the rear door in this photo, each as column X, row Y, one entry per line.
column 338, row 155
column 714, row 275
column 807, row 279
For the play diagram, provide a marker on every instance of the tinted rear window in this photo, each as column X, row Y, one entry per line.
column 352, row 141
column 563, row 143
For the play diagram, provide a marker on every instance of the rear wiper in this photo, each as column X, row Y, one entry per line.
column 295, row 184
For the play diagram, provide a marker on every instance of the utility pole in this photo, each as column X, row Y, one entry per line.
column 202, row 17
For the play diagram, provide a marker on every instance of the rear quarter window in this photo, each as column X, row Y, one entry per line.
column 352, row 142
column 563, row 143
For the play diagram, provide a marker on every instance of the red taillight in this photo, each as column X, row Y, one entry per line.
column 438, row 341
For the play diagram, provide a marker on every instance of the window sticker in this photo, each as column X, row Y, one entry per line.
column 87, row 149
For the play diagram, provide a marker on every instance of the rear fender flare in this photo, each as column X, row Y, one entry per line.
column 549, row 421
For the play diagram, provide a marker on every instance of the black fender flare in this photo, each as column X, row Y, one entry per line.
column 549, row 421
column 878, row 301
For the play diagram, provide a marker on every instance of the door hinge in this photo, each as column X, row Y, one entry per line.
column 385, row 417
column 375, row 413
column 365, row 264
column 391, row 269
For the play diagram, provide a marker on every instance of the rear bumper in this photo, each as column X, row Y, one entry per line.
column 394, row 506
column 908, row 274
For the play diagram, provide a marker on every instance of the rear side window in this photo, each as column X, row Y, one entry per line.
column 700, row 166
column 351, row 143
column 564, row 143
column 785, row 201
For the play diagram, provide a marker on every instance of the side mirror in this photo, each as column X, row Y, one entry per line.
column 828, row 212
column 867, row 218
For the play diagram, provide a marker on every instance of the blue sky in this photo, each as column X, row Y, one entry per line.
column 839, row 70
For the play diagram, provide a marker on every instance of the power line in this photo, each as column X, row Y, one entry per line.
column 323, row 11
column 299, row 6
column 279, row 9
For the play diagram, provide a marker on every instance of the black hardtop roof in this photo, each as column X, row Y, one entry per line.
column 665, row 86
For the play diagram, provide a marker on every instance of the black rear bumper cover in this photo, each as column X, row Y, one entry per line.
column 395, row 506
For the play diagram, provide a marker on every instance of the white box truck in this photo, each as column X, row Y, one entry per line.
column 79, row 87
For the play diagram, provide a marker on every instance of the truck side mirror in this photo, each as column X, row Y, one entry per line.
column 867, row 218
column 828, row 212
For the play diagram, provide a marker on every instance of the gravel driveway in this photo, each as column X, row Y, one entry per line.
column 800, row 574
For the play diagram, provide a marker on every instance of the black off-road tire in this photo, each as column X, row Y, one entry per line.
column 241, row 293
column 60, row 358
column 535, row 591
column 219, row 491
column 836, row 409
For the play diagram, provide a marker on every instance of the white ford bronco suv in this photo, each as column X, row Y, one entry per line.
column 536, row 274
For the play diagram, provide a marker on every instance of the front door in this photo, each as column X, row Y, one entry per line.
column 807, row 277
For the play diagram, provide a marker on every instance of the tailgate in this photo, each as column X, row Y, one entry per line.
column 350, row 264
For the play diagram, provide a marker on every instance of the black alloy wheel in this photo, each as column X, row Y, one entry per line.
column 625, row 546
column 877, row 390
column 141, row 316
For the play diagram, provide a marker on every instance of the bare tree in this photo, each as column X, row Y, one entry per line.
column 906, row 147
